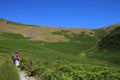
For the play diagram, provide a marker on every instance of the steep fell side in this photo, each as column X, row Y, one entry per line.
column 111, row 41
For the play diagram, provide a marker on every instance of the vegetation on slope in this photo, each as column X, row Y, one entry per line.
column 7, row 69
column 50, row 60
column 43, row 33
column 108, row 47
column 78, row 59
column 111, row 41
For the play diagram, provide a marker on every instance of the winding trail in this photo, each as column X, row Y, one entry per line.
column 23, row 76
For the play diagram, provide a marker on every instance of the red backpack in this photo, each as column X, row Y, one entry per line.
column 17, row 56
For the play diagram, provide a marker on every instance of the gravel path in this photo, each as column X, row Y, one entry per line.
column 23, row 76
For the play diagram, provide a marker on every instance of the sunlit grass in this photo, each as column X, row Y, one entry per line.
column 7, row 70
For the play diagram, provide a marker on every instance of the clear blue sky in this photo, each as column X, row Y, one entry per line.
column 62, row 13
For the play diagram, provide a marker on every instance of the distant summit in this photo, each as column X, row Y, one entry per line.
column 44, row 33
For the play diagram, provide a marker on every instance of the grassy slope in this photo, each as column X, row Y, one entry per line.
column 48, row 57
column 111, row 41
column 108, row 45
column 38, row 33
column 7, row 69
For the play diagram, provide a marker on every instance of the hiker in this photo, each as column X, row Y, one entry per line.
column 15, row 58
column 30, row 59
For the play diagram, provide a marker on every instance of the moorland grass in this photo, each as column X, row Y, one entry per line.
column 8, row 71
column 56, row 60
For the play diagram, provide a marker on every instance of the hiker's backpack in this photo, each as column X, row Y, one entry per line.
column 17, row 56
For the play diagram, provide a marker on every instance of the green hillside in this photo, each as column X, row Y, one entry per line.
column 108, row 47
column 111, row 41
column 83, row 57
